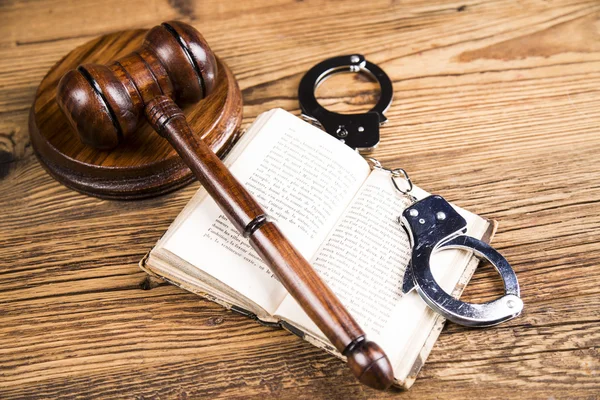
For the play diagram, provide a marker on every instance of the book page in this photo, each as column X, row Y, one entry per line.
column 363, row 261
column 301, row 176
column 364, row 257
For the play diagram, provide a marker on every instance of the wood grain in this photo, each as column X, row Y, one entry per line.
column 496, row 107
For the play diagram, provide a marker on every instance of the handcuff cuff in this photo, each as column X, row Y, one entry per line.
column 359, row 131
column 432, row 224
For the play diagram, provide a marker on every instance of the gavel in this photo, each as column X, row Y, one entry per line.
column 174, row 67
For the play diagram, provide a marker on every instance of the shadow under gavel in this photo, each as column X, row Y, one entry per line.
column 105, row 103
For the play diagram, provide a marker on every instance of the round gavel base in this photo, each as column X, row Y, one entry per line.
column 145, row 165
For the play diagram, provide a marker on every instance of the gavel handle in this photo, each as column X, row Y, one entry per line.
column 366, row 359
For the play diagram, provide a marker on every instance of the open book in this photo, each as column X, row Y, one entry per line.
column 340, row 215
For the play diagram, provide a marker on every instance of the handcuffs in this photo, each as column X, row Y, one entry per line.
column 432, row 224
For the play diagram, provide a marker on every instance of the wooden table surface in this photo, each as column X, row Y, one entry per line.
column 497, row 107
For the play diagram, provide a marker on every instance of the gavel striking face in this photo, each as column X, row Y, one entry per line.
column 104, row 104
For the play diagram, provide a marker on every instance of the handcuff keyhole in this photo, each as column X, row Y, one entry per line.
column 348, row 93
column 341, row 132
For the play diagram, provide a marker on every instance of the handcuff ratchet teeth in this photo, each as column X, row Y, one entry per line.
column 359, row 131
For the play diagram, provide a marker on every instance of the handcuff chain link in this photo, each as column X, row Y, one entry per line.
column 396, row 175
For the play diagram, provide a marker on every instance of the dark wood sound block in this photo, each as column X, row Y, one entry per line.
column 145, row 165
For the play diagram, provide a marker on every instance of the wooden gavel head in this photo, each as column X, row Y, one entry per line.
column 105, row 103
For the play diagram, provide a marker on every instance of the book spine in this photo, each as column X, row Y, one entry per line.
column 246, row 313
